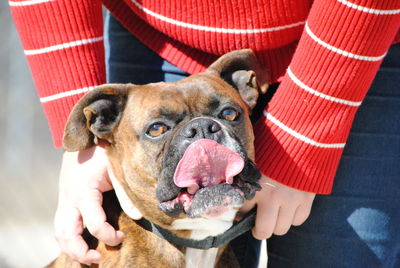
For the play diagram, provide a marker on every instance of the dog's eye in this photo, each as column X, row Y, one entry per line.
column 157, row 130
column 229, row 114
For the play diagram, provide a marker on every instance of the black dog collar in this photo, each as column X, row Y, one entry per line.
column 236, row 229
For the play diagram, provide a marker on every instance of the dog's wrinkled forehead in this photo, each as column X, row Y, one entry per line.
column 236, row 77
column 194, row 96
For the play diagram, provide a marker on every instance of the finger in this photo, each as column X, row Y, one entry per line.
column 68, row 229
column 78, row 250
column 67, row 224
column 302, row 213
column 247, row 206
column 284, row 221
column 265, row 221
column 95, row 220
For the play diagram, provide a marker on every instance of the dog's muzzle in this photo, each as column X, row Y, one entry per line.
column 206, row 171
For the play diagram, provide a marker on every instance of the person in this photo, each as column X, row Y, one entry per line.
column 323, row 54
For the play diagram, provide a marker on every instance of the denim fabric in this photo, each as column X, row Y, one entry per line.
column 359, row 224
column 129, row 61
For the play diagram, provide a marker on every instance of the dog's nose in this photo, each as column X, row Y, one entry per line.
column 201, row 128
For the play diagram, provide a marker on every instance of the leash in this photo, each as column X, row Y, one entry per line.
column 238, row 228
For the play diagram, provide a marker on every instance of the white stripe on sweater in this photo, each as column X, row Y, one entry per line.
column 300, row 136
column 370, row 10
column 29, row 52
column 319, row 94
column 213, row 29
column 340, row 51
column 27, row 3
column 65, row 94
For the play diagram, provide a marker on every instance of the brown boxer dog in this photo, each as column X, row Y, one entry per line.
column 183, row 153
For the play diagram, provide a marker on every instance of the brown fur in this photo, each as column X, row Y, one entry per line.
column 137, row 162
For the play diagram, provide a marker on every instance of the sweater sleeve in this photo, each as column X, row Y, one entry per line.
column 301, row 137
column 63, row 42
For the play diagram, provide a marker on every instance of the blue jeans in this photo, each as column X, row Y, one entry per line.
column 359, row 224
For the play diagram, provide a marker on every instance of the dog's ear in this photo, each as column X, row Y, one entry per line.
column 241, row 69
column 94, row 117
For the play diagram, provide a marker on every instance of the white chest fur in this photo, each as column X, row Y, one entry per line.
column 202, row 228
column 198, row 258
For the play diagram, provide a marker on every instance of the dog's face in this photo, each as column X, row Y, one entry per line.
column 183, row 149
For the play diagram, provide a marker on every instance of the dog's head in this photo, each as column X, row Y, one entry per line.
column 183, row 149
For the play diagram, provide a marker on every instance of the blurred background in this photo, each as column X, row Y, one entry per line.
column 29, row 164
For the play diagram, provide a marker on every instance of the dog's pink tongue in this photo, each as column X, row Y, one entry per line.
column 206, row 163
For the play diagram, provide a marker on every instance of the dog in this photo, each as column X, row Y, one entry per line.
column 183, row 153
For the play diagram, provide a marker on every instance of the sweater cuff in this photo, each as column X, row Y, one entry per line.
column 294, row 162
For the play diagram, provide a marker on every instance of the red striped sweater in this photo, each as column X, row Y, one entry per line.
column 340, row 45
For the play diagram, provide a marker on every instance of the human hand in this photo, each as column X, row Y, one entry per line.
column 278, row 208
column 84, row 176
